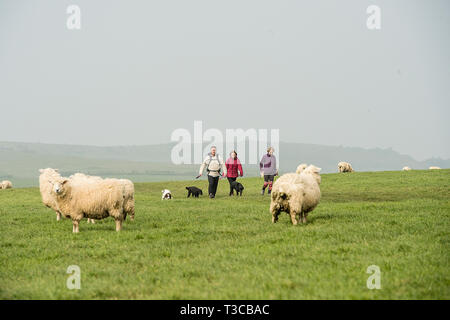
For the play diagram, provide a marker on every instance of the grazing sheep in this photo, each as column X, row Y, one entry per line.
column 296, row 194
column 95, row 200
column 128, row 204
column 345, row 167
column 433, row 168
column 300, row 168
column 45, row 188
column 406, row 168
column 5, row 184
column 84, row 178
column 125, row 184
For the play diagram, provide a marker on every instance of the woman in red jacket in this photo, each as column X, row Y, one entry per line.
column 233, row 166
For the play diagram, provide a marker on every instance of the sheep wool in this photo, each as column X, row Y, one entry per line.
column 94, row 200
column 300, row 168
column 296, row 194
column 406, row 168
column 433, row 168
column 45, row 187
column 5, row 184
column 345, row 167
column 125, row 184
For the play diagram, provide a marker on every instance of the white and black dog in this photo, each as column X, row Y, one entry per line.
column 166, row 194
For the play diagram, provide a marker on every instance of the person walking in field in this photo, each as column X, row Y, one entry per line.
column 215, row 167
column 234, row 169
column 268, row 169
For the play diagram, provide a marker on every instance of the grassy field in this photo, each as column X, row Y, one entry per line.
column 227, row 248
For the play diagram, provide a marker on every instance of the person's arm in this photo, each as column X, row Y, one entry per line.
column 202, row 167
column 275, row 165
column 261, row 164
column 224, row 167
column 240, row 168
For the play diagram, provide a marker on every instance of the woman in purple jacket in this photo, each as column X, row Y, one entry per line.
column 268, row 169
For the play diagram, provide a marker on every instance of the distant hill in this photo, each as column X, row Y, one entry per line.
column 19, row 162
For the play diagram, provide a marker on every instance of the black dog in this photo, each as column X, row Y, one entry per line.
column 194, row 191
column 238, row 187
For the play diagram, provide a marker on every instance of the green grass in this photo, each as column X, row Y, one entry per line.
column 228, row 248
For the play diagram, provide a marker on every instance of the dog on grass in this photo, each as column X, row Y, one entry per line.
column 194, row 191
column 238, row 187
column 166, row 194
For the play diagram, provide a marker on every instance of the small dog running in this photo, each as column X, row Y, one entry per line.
column 166, row 194
column 194, row 191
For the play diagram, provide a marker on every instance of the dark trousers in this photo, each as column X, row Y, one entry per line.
column 231, row 180
column 213, row 182
column 268, row 181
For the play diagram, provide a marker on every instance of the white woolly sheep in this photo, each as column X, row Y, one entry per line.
column 345, row 167
column 94, row 200
column 296, row 194
column 406, row 168
column 300, row 168
column 127, row 185
column 434, row 168
column 45, row 188
column 128, row 204
column 5, row 184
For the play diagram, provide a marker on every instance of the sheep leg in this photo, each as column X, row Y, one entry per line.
column 118, row 225
column 75, row 228
column 58, row 216
column 275, row 216
column 294, row 218
column 304, row 217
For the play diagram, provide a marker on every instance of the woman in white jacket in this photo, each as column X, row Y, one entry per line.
column 215, row 167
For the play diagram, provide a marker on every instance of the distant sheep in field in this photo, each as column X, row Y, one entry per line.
column 296, row 194
column 300, row 168
column 5, row 184
column 345, row 167
column 406, row 168
column 434, row 168
column 95, row 200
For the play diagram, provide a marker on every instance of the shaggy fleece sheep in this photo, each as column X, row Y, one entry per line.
column 125, row 184
column 45, row 187
column 300, row 168
column 296, row 194
column 128, row 204
column 5, row 184
column 345, row 167
column 406, row 168
column 433, row 168
column 77, row 199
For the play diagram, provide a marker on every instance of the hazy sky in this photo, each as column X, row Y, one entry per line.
column 137, row 70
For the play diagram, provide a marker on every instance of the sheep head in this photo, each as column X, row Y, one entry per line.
column 59, row 187
column 300, row 168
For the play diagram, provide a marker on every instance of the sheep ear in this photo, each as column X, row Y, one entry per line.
column 57, row 170
column 51, row 182
column 65, row 181
column 41, row 170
